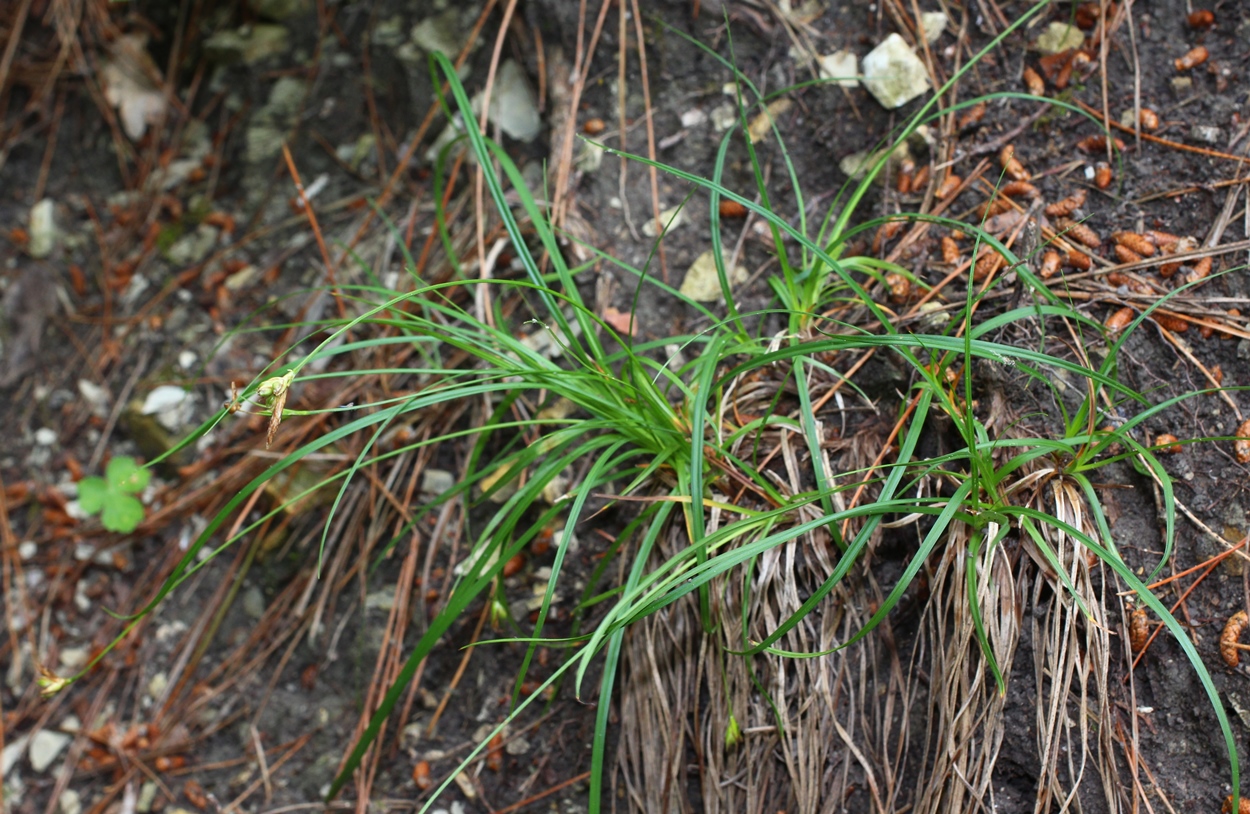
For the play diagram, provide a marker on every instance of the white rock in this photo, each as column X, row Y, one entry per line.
column 171, row 405
column 45, row 436
column 517, row 746
column 96, row 397
column 933, row 23
column 45, row 746
column 163, row 398
column 1060, row 37
column 702, row 284
column 70, row 802
column 671, row 218
column 187, row 359
column 43, row 232
column 435, row 482
column 724, row 117
column 894, row 74
column 11, row 754
column 147, row 796
column 158, row 685
column 693, row 117
column 512, row 103
column 27, row 549
column 73, row 659
column 841, row 66
column 71, row 725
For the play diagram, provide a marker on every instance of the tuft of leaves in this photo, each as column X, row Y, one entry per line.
column 112, row 496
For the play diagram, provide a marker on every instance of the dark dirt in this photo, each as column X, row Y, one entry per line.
column 163, row 326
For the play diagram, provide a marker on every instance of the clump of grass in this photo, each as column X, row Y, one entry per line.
column 646, row 428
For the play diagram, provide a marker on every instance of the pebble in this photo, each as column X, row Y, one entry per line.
column 894, row 74
column 1206, row 133
column 701, row 282
column 11, row 754
column 45, row 436
column 73, row 658
column 43, row 232
column 147, row 796
column 1059, row 37
column 842, row 67
column 70, row 802
column 45, row 746
column 254, row 602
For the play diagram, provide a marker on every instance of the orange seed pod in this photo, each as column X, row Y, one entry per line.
column 1103, row 175
column 1193, row 59
column 1033, row 82
column 948, row 186
column 1202, row 18
column 1068, row 205
column 1241, row 447
column 1138, row 243
column 1119, row 320
column 1126, row 255
column 1050, row 265
column 1138, row 629
column 1167, row 442
column 950, row 251
column 1079, row 232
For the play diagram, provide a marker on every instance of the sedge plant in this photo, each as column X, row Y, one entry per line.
column 641, row 424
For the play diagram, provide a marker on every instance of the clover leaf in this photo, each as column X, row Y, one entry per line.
column 110, row 496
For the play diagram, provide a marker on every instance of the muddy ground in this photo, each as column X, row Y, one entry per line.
column 147, row 277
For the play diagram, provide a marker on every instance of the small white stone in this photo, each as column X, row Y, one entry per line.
column 693, row 117
column 45, row 746
column 70, row 802
column 840, row 66
column 724, row 117
column 11, row 754
column 43, row 232
column 186, row 359
column 27, row 549
column 73, row 659
column 147, row 796
column 933, row 23
column 45, row 436
column 517, row 746
column 165, row 397
column 1089, row 172
column 95, row 396
column 435, row 482
column 71, row 725
column 157, row 686
column 894, row 74
column 1060, row 37
column 671, row 218
column 701, row 282
column 513, row 105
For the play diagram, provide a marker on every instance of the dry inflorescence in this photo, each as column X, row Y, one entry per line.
column 1229, row 639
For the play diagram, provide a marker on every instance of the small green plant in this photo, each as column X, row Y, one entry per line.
column 112, row 496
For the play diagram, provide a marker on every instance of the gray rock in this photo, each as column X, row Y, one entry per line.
column 247, row 45
column 279, row 9
column 45, row 746
column 512, row 103
column 70, row 802
column 1060, row 37
column 43, row 231
column 253, row 602
column 192, row 247
column 1206, row 133
column 933, row 23
column 893, row 73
